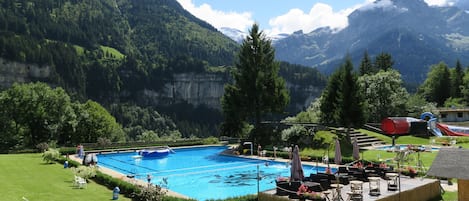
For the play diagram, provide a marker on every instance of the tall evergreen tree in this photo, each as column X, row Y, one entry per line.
column 352, row 101
column 384, row 61
column 366, row 66
column 257, row 89
column 329, row 99
column 457, row 75
column 343, row 103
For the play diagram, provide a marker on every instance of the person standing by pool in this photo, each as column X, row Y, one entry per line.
column 149, row 179
column 259, row 150
column 275, row 152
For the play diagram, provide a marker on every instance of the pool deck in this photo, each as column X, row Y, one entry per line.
column 407, row 184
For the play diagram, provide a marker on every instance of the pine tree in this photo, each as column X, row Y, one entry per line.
column 384, row 61
column 366, row 66
column 457, row 75
column 257, row 89
column 343, row 103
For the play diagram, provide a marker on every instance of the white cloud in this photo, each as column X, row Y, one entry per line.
column 320, row 15
column 379, row 4
column 440, row 2
column 384, row 5
column 218, row 19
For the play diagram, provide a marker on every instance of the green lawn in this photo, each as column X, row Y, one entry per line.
column 27, row 175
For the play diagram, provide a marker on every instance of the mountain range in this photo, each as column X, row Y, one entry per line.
column 415, row 34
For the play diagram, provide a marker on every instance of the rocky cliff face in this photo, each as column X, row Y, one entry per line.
column 207, row 89
column 195, row 89
column 15, row 72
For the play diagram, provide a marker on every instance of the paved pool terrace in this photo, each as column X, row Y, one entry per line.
column 407, row 184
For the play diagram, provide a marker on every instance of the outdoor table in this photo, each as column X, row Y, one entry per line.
column 336, row 195
column 313, row 186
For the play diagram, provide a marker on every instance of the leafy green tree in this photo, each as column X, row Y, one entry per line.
column 257, row 89
column 37, row 112
column 384, row 61
column 384, row 94
column 137, row 120
column 416, row 105
column 465, row 86
column 366, row 65
column 96, row 122
column 457, row 75
column 436, row 88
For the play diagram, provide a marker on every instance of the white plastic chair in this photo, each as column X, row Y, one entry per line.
column 80, row 182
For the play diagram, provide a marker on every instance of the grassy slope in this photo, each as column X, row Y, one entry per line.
column 27, row 175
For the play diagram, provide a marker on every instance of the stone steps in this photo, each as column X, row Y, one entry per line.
column 363, row 140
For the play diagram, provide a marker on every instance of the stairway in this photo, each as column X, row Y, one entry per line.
column 363, row 140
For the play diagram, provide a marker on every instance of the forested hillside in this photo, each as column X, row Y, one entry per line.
column 99, row 48
column 125, row 51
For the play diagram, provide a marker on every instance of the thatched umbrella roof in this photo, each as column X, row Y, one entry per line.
column 451, row 163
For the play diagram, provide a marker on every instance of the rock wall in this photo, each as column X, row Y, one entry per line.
column 207, row 89
column 14, row 72
column 193, row 88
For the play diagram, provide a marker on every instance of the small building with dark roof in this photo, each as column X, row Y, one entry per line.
column 454, row 114
column 453, row 163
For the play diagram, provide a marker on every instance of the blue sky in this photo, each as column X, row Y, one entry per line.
column 279, row 16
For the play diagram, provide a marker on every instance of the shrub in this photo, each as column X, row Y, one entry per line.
column 68, row 150
column 126, row 188
column 103, row 142
column 240, row 198
column 85, row 171
column 42, row 147
column 170, row 198
column 50, row 155
column 149, row 193
column 71, row 163
column 210, row 140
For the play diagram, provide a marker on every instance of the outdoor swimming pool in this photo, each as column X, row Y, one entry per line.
column 201, row 173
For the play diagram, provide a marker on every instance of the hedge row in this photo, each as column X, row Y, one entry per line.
column 126, row 188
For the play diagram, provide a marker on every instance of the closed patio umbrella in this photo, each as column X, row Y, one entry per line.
column 338, row 154
column 296, row 171
column 356, row 149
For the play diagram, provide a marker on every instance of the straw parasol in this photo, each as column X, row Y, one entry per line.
column 338, row 154
column 296, row 167
column 356, row 149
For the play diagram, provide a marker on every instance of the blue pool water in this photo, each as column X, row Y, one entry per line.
column 201, row 173
column 402, row 147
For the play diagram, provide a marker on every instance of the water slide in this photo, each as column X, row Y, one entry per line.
column 433, row 128
column 451, row 130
